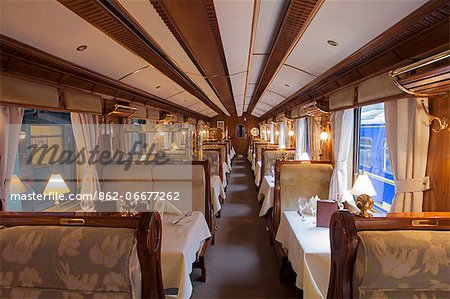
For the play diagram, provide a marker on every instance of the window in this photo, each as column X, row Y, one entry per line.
column 43, row 131
column 374, row 154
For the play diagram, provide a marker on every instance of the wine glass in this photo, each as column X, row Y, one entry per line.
column 302, row 204
column 87, row 205
column 272, row 171
column 313, row 212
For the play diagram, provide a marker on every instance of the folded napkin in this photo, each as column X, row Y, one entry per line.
column 165, row 206
column 312, row 202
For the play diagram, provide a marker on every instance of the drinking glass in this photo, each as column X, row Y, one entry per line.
column 302, row 204
column 313, row 212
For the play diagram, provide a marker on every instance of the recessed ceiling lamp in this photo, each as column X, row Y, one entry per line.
column 81, row 48
column 158, row 87
column 287, row 85
column 332, row 43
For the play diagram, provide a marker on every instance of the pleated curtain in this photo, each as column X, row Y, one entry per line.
column 281, row 135
column 300, row 128
column 314, row 138
column 408, row 134
column 86, row 132
column 342, row 127
column 272, row 133
column 10, row 127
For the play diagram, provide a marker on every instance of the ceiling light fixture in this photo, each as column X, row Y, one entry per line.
column 81, row 48
column 332, row 43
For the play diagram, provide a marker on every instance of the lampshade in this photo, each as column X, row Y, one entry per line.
column 16, row 186
column 56, row 185
column 277, row 132
column 363, row 185
column 304, row 156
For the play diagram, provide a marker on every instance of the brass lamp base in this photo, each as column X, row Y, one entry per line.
column 364, row 202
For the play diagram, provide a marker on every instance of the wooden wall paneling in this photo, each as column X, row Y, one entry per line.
column 437, row 199
column 250, row 121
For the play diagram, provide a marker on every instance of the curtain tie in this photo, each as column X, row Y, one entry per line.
column 412, row 185
column 340, row 165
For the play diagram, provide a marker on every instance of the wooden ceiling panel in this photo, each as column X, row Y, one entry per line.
column 58, row 72
column 298, row 16
column 194, row 24
column 424, row 32
column 112, row 19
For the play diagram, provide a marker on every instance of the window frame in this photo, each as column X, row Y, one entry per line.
column 377, row 207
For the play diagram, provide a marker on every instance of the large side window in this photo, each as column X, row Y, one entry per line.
column 373, row 154
column 45, row 138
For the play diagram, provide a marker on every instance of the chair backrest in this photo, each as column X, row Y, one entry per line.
column 270, row 155
column 215, row 161
column 188, row 180
column 394, row 255
column 42, row 254
column 222, row 147
column 294, row 179
column 260, row 147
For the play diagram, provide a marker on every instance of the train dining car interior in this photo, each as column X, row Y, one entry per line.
column 224, row 149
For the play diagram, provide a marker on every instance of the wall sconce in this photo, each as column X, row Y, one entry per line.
column 277, row 133
column 323, row 135
column 291, row 133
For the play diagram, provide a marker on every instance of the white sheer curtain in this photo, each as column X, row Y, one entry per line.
column 300, row 127
column 86, row 132
column 408, row 133
column 314, row 137
column 10, row 126
column 272, row 133
column 342, row 127
column 281, row 135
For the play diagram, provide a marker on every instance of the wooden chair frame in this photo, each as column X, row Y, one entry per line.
column 344, row 228
column 148, row 233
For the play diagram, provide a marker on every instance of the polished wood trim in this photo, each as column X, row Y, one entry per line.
column 36, row 66
column 423, row 33
column 296, row 20
column 196, row 28
column 344, row 228
column 256, row 7
column 112, row 19
column 148, row 228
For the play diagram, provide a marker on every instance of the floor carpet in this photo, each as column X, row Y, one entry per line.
column 242, row 263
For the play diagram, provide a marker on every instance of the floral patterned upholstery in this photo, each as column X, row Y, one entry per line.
column 270, row 157
column 402, row 264
column 54, row 261
column 214, row 161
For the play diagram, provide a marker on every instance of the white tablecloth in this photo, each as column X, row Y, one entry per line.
column 253, row 162
column 216, row 191
column 249, row 155
column 258, row 173
column 266, row 193
column 233, row 152
column 180, row 244
column 309, row 252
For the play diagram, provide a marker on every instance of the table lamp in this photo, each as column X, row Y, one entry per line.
column 16, row 186
column 56, row 185
column 363, row 189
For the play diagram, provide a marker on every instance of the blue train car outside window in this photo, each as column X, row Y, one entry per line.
column 374, row 154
